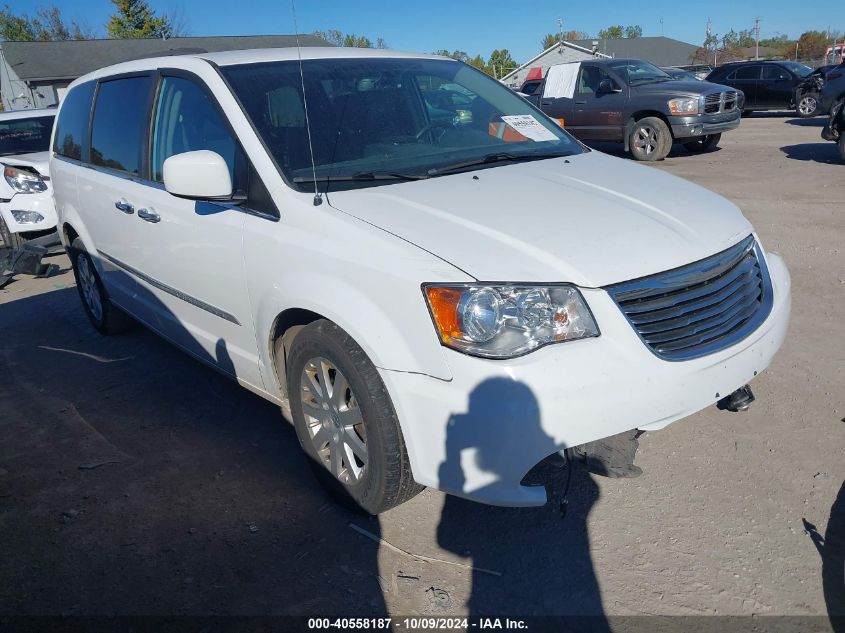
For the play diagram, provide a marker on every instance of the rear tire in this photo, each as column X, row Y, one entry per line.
column 106, row 318
column 706, row 143
column 345, row 420
column 11, row 240
column 808, row 105
column 650, row 139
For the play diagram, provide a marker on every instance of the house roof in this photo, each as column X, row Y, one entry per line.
column 33, row 61
column 660, row 51
column 577, row 47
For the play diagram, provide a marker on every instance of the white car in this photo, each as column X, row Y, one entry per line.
column 26, row 200
column 434, row 302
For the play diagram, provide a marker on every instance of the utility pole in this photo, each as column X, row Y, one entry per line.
column 757, row 38
column 560, row 32
column 661, row 27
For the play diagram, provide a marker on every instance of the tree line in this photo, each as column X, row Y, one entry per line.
column 736, row 45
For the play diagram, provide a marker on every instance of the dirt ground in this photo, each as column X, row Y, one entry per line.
column 134, row 480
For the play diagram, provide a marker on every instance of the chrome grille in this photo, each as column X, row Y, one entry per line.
column 700, row 308
column 716, row 102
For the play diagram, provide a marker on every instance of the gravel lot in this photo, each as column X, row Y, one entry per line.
column 133, row 480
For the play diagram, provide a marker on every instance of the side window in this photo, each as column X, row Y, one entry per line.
column 185, row 121
column 72, row 125
column 748, row 72
column 118, row 131
column 590, row 79
column 774, row 73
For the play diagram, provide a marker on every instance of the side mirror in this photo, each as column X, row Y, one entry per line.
column 607, row 86
column 199, row 175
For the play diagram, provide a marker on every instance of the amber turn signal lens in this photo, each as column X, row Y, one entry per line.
column 444, row 306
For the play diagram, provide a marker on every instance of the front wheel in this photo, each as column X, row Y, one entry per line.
column 650, row 139
column 704, row 144
column 807, row 106
column 13, row 241
column 345, row 420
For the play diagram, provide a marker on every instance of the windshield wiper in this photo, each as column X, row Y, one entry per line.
column 498, row 157
column 362, row 176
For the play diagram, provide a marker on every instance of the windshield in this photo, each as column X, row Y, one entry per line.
column 799, row 69
column 25, row 136
column 636, row 71
column 377, row 119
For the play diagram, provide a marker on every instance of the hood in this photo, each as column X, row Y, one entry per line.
column 591, row 220
column 679, row 87
column 40, row 161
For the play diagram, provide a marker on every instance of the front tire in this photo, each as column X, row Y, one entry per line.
column 706, row 143
column 345, row 420
column 105, row 317
column 650, row 139
column 14, row 241
column 807, row 106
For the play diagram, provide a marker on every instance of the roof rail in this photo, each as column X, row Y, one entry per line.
column 171, row 52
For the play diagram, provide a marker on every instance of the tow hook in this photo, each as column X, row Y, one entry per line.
column 739, row 400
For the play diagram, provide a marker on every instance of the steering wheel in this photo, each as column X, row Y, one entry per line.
column 434, row 125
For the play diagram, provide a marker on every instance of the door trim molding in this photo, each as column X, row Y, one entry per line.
column 199, row 303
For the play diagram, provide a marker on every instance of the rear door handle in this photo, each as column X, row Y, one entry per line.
column 581, row 103
column 547, row 102
column 149, row 215
column 122, row 205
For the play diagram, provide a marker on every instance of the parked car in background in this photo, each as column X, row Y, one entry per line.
column 699, row 70
column 806, row 97
column 26, row 199
column 638, row 104
column 767, row 85
column 528, row 88
column 680, row 73
column 445, row 303
column 833, row 90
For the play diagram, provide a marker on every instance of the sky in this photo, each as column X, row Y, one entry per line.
column 471, row 25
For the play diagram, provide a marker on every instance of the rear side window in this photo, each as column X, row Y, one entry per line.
column 119, row 126
column 72, row 125
column 772, row 72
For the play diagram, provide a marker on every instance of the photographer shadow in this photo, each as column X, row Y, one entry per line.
column 540, row 575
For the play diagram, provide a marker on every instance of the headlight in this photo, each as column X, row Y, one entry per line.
column 508, row 321
column 685, row 105
column 26, row 217
column 23, row 181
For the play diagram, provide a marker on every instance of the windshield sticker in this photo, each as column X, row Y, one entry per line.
column 530, row 127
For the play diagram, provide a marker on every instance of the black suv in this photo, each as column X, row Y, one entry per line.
column 768, row 85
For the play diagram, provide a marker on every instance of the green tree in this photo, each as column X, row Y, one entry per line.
column 461, row 56
column 612, row 33
column 634, row 31
column 350, row 40
column 136, row 19
column 500, row 63
column 568, row 36
column 478, row 62
column 813, row 44
column 46, row 25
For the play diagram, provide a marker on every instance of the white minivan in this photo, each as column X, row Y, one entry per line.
column 438, row 285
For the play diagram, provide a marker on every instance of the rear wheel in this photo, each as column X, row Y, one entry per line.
column 808, row 105
column 105, row 317
column 345, row 420
column 704, row 144
column 650, row 139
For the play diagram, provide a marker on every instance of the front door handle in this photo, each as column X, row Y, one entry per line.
column 149, row 215
column 122, row 205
